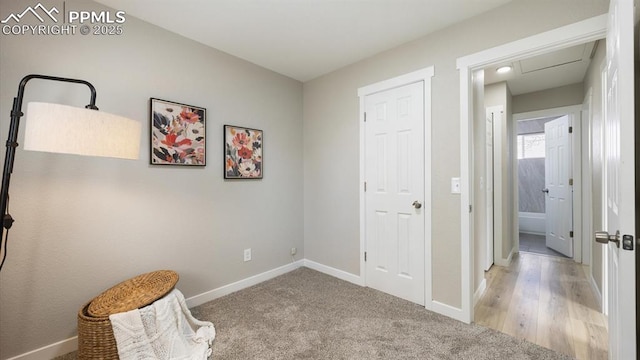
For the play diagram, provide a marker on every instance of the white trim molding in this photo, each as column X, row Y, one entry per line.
column 50, row 351
column 573, row 34
column 506, row 261
column 596, row 291
column 447, row 310
column 242, row 284
column 479, row 291
column 340, row 274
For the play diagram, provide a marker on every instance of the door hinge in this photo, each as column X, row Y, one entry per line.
column 365, row 117
column 470, row 208
column 571, row 233
column 365, row 256
column 365, row 186
column 571, row 182
column 570, row 129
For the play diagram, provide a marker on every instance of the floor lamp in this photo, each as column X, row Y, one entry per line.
column 64, row 129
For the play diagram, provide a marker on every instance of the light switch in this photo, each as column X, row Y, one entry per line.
column 455, row 185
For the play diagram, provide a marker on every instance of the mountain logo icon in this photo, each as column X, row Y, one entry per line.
column 34, row 11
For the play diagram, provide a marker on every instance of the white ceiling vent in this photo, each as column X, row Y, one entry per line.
column 562, row 57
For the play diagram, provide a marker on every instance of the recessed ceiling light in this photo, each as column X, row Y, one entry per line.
column 503, row 69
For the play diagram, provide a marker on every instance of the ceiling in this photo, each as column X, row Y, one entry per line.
column 303, row 39
column 559, row 68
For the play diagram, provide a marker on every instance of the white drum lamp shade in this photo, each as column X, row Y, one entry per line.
column 71, row 130
column 63, row 129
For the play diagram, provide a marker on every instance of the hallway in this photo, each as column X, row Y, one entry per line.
column 545, row 300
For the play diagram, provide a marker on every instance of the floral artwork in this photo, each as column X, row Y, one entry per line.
column 243, row 153
column 177, row 134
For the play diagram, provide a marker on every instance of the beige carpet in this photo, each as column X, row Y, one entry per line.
column 305, row 314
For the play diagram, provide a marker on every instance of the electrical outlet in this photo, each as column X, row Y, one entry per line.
column 294, row 251
column 247, row 254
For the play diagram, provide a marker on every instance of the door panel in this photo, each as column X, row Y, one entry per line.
column 619, row 164
column 558, row 198
column 394, row 171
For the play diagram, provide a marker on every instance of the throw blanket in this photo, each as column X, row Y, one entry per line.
column 163, row 330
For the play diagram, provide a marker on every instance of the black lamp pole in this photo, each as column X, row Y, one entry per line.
column 12, row 141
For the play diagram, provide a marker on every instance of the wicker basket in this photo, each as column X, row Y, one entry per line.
column 95, row 335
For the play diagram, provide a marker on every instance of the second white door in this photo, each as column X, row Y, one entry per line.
column 394, row 173
column 558, row 198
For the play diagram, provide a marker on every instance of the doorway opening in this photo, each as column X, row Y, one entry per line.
column 539, row 156
column 532, row 210
column 545, row 226
column 506, row 223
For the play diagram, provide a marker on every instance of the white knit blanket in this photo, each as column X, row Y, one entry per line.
column 163, row 330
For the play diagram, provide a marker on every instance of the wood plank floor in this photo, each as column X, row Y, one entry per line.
column 545, row 300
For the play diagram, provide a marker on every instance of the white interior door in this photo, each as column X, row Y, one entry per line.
column 558, row 199
column 394, row 175
column 489, row 188
column 619, row 180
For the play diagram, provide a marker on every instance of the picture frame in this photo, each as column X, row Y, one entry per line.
column 243, row 151
column 177, row 134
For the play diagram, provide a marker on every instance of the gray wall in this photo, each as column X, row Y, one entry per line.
column 85, row 224
column 530, row 183
column 331, row 174
column 551, row 98
column 531, row 173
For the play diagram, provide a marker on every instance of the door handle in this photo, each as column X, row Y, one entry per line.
column 416, row 204
column 603, row 237
column 545, row 190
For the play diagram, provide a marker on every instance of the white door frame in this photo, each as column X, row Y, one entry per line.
column 425, row 76
column 574, row 34
column 575, row 120
column 490, row 217
column 497, row 183
column 587, row 182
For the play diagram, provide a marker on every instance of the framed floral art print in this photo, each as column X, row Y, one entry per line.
column 242, row 153
column 178, row 135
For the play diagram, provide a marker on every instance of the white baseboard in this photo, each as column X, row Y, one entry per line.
column 447, row 310
column 510, row 257
column 505, row 262
column 242, row 284
column 50, row 351
column 435, row 306
column 479, row 292
column 595, row 289
column 340, row 274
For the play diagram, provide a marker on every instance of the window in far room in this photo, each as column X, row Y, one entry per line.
column 531, row 146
